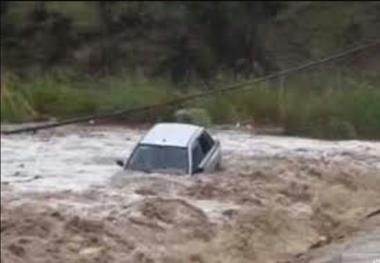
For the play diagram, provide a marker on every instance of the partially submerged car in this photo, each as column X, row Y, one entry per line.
column 175, row 148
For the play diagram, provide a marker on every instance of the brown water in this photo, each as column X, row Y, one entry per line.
column 278, row 199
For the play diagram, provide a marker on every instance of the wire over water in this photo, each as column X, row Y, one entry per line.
column 236, row 86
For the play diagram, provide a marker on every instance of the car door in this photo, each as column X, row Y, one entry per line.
column 197, row 156
column 206, row 153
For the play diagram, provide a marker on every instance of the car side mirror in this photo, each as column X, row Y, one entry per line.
column 120, row 163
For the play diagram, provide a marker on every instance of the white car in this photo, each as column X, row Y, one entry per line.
column 175, row 148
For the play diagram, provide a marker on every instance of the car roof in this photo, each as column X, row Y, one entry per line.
column 171, row 134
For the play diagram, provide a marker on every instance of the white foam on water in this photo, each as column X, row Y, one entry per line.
column 77, row 161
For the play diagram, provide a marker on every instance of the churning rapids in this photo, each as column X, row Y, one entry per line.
column 277, row 199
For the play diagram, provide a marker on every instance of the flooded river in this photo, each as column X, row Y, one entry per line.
column 276, row 199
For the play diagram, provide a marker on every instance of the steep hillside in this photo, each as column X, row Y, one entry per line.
column 184, row 41
column 313, row 29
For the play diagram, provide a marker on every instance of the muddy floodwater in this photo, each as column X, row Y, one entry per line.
column 277, row 199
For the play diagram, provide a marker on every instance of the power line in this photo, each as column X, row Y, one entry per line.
column 240, row 85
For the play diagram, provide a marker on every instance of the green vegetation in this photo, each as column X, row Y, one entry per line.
column 197, row 116
column 79, row 58
column 64, row 98
column 324, row 112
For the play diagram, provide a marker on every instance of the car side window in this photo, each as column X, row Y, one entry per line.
column 197, row 155
column 206, row 142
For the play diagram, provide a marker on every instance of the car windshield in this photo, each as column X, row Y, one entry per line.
column 154, row 158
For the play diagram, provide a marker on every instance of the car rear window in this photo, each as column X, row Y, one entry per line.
column 154, row 158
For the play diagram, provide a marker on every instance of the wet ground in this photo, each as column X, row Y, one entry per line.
column 277, row 199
